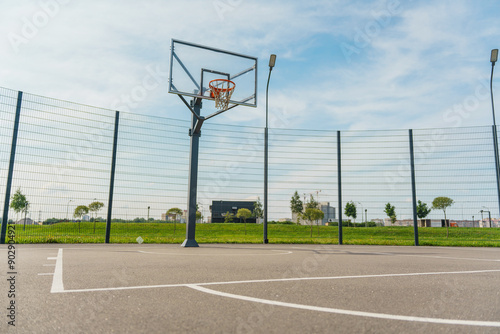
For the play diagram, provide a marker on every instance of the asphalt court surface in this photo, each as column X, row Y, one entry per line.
column 252, row 289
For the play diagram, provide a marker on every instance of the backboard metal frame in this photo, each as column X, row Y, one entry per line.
column 199, row 88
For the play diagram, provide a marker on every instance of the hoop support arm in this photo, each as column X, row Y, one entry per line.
column 220, row 112
column 187, row 105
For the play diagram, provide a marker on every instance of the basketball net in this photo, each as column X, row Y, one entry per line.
column 221, row 91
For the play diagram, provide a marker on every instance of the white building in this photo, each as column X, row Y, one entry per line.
column 29, row 221
column 328, row 211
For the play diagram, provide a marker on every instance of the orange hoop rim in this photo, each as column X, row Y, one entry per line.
column 217, row 89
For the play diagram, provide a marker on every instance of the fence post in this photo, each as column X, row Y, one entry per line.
column 413, row 188
column 5, row 218
column 112, row 179
column 339, row 180
column 497, row 163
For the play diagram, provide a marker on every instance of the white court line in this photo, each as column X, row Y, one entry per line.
column 57, row 281
column 268, row 280
column 452, row 258
column 361, row 252
column 219, row 254
column 58, row 287
column 45, row 274
column 349, row 312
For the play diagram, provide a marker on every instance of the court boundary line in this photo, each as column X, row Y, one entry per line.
column 272, row 280
column 58, row 287
column 57, row 280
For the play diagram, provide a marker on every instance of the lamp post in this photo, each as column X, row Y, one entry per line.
column 272, row 61
column 95, row 199
column 361, row 205
column 489, row 214
column 26, row 204
column 366, row 217
column 148, row 213
column 67, row 207
column 493, row 59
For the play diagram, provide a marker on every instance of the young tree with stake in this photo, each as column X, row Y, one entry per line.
column 244, row 214
column 297, row 206
column 350, row 210
column 422, row 210
column 442, row 203
column 390, row 211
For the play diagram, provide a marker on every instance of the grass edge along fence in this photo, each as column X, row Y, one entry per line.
column 278, row 234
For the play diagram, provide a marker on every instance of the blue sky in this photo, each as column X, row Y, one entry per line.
column 342, row 65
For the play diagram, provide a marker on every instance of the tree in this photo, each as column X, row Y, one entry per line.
column 257, row 209
column 80, row 211
column 312, row 214
column 228, row 217
column 351, row 210
column 94, row 207
column 19, row 203
column 244, row 214
column 198, row 213
column 312, row 204
column 177, row 212
column 422, row 210
column 390, row 211
column 442, row 203
column 296, row 205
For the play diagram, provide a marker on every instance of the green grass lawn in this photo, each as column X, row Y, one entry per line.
column 235, row 233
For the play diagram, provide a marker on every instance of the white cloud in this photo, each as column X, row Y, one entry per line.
column 422, row 59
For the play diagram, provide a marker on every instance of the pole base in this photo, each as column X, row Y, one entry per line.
column 266, row 241
column 190, row 243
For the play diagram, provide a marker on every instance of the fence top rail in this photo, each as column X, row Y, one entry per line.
column 27, row 96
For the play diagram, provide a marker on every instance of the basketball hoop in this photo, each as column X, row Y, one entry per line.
column 221, row 90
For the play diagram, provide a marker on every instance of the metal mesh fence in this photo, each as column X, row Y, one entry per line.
column 376, row 171
column 64, row 155
column 458, row 163
column 303, row 161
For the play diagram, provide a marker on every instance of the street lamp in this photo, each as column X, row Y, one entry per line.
column 272, row 61
column 67, row 207
column 489, row 214
column 95, row 199
column 493, row 60
column 361, row 211
column 148, row 213
column 366, row 217
column 26, row 204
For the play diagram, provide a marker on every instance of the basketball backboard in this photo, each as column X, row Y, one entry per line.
column 193, row 66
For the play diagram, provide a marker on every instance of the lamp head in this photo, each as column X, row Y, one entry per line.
column 494, row 56
column 272, row 60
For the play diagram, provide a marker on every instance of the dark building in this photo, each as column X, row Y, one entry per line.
column 219, row 209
